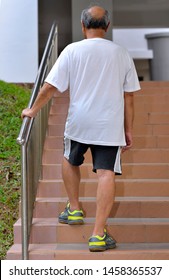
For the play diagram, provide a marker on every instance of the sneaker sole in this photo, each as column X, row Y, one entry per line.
column 101, row 249
column 80, row 222
column 97, row 249
column 76, row 222
column 63, row 221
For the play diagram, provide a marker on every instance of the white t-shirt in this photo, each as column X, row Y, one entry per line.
column 97, row 73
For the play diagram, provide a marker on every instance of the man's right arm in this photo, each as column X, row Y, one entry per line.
column 44, row 95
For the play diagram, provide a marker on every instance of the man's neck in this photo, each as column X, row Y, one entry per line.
column 95, row 33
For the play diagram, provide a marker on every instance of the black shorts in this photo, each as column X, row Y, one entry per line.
column 104, row 157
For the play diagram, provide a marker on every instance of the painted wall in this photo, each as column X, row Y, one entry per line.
column 18, row 40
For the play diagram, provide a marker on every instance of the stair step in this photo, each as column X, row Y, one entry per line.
column 144, row 142
column 140, row 142
column 130, row 170
column 135, row 155
column 138, row 129
column 59, row 108
column 155, row 107
column 124, row 207
column 146, row 85
column 124, row 187
column 57, row 119
column 150, row 118
column 123, row 230
column 152, row 96
column 54, row 142
column 130, row 251
column 140, row 118
column 146, row 155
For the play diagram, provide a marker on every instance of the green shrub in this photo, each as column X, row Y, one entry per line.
column 13, row 99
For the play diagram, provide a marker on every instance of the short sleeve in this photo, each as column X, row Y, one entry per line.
column 131, row 82
column 59, row 74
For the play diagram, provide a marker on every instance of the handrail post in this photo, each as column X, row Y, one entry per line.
column 24, row 205
column 31, row 148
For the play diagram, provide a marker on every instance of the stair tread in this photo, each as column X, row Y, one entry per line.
column 132, row 150
column 75, row 252
column 123, row 164
column 93, row 199
column 110, row 221
column 117, row 180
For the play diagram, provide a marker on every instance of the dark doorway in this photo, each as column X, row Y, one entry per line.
column 61, row 12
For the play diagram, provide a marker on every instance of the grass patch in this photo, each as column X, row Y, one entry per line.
column 13, row 99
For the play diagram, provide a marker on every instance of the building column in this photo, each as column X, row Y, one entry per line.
column 19, row 40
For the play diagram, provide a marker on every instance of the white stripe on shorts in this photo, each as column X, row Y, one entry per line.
column 67, row 143
column 117, row 165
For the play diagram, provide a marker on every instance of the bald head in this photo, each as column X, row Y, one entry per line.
column 95, row 18
column 97, row 12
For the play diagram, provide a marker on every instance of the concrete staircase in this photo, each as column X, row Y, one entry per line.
column 139, row 220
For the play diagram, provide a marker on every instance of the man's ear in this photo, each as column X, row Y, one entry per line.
column 83, row 28
column 82, row 24
column 107, row 27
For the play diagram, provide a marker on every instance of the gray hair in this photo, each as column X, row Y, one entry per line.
column 92, row 22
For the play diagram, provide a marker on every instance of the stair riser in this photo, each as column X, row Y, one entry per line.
column 151, row 99
column 88, row 189
column 59, row 109
column 140, row 118
column 54, row 143
column 137, row 156
column 80, row 234
column 155, row 107
column 150, row 118
column 139, row 142
column 108, row 255
column 147, row 156
column 57, row 119
column 138, row 130
column 144, row 142
column 158, row 88
column 52, row 172
column 121, row 209
column 154, row 84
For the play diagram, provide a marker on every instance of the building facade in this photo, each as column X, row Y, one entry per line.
column 25, row 25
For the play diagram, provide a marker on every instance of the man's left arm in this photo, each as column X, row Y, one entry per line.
column 128, row 119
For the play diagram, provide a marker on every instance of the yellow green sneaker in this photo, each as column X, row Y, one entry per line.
column 101, row 243
column 71, row 217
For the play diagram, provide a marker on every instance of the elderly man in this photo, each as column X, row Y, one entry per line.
column 101, row 79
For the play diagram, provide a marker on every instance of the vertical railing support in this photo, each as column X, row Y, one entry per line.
column 31, row 138
column 24, row 204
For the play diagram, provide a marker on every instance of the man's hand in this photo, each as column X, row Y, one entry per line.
column 129, row 142
column 28, row 113
column 44, row 95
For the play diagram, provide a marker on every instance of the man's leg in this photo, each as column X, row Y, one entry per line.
column 71, row 178
column 105, row 199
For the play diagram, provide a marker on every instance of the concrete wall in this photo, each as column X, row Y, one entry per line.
column 77, row 7
column 144, row 13
column 60, row 11
column 18, row 40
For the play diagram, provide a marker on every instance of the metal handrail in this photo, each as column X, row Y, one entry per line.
column 31, row 138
